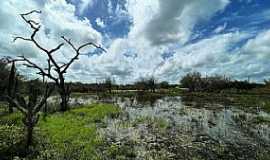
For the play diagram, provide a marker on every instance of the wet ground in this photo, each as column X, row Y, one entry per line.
column 171, row 128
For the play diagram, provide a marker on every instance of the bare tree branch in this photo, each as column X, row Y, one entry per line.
column 22, row 38
column 46, row 95
column 32, row 23
column 77, row 50
column 15, row 104
column 33, row 11
column 31, row 64
column 36, row 27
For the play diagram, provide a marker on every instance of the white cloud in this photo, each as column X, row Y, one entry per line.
column 84, row 4
column 144, row 59
column 259, row 46
column 100, row 23
column 206, row 56
column 57, row 19
column 220, row 28
column 173, row 20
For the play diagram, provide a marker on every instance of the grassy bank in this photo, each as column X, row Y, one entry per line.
column 70, row 135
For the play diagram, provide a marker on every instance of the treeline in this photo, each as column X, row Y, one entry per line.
column 195, row 82
column 108, row 85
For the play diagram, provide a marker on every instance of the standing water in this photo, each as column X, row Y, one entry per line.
column 169, row 128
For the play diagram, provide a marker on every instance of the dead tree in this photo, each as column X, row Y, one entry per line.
column 59, row 69
column 30, row 109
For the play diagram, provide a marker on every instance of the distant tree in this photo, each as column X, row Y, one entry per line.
column 195, row 82
column 192, row 81
column 52, row 65
column 151, row 84
column 108, row 84
column 141, row 85
column 146, row 84
column 164, row 85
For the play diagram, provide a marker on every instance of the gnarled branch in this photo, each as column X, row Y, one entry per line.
column 15, row 104
column 48, row 92
column 77, row 50
column 35, row 26
column 31, row 64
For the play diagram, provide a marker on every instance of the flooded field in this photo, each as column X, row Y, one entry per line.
column 171, row 128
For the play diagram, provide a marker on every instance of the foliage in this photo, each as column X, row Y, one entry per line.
column 192, row 81
column 164, row 85
column 195, row 82
column 146, row 84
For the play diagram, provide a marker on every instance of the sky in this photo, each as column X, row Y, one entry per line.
column 165, row 39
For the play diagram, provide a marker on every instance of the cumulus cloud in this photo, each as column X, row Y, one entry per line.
column 259, row 46
column 57, row 19
column 174, row 20
column 158, row 27
column 155, row 23
column 205, row 56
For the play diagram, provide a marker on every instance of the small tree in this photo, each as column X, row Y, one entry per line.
column 192, row 81
column 60, row 69
column 30, row 109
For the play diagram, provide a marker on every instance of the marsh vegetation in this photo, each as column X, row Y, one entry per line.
column 168, row 127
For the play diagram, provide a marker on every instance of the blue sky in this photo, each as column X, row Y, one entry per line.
column 143, row 38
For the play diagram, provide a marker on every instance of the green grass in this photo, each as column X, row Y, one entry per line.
column 69, row 135
column 11, row 119
column 73, row 133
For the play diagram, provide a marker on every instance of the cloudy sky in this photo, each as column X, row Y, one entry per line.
column 161, row 38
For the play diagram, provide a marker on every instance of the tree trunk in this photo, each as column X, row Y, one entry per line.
column 10, row 108
column 29, row 136
column 64, row 102
column 64, row 93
